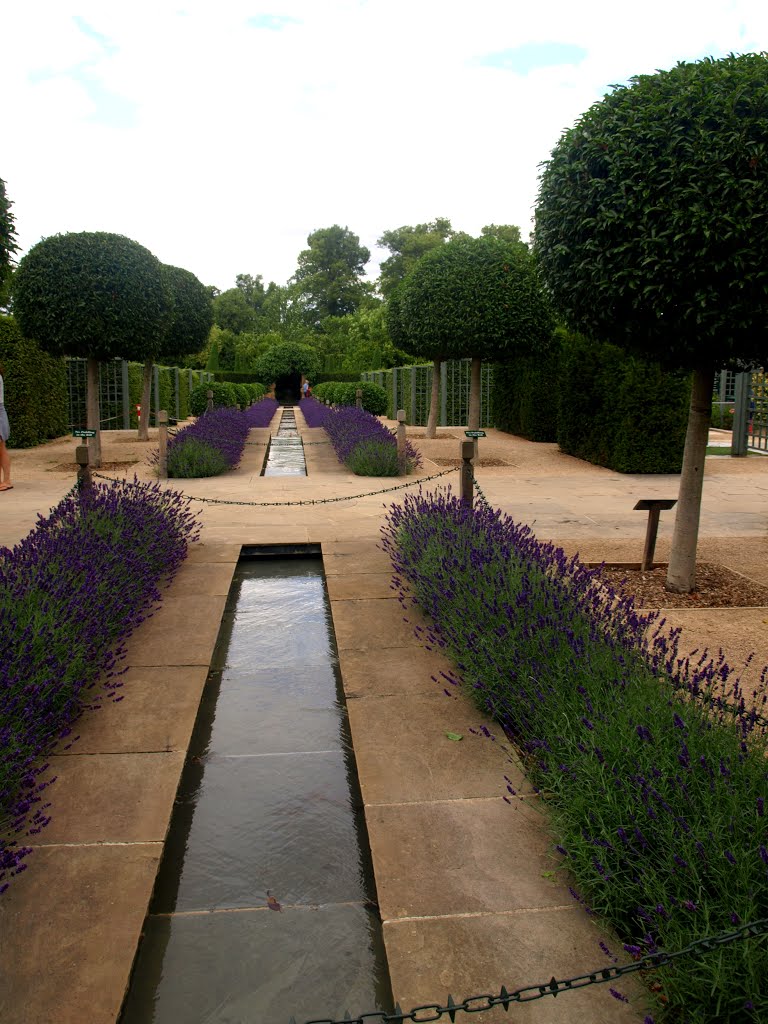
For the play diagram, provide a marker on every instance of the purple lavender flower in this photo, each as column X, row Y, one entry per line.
column 70, row 594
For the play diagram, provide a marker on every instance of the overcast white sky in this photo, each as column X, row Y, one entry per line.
column 219, row 135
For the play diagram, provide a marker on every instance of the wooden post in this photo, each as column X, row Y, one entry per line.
column 653, row 506
column 84, row 478
column 467, row 477
column 359, row 398
column 162, row 441
column 210, row 401
column 401, row 457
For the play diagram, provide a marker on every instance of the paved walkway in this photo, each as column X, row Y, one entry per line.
column 463, row 877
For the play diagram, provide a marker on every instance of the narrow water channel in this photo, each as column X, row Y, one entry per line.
column 285, row 455
column 265, row 904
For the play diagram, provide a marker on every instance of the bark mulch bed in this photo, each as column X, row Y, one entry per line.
column 716, row 587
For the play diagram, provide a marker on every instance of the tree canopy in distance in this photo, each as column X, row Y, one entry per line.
column 329, row 278
column 651, row 232
column 7, row 234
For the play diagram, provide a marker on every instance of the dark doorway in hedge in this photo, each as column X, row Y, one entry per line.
column 288, row 388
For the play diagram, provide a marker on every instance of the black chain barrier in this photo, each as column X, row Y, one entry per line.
column 306, row 501
column 553, row 987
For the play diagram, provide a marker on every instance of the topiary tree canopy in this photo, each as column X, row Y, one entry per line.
column 186, row 329
column 652, row 229
column 473, row 297
column 285, row 359
column 91, row 294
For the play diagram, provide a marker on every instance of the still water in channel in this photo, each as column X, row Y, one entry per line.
column 285, row 456
column 265, row 902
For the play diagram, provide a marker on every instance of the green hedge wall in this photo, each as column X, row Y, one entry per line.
column 620, row 411
column 35, row 388
column 525, row 397
column 600, row 405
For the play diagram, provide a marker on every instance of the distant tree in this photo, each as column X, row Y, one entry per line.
column 232, row 311
column 329, row 278
column 652, row 230
column 252, row 289
column 407, row 245
column 212, row 365
column 8, row 245
column 91, row 294
column 186, row 330
column 506, row 232
column 472, row 297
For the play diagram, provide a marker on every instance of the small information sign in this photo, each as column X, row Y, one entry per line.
column 474, row 433
column 82, row 432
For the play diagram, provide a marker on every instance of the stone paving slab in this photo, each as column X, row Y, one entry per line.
column 117, row 798
column 404, row 754
column 464, row 856
column 183, row 635
column 69, row 932
column 351, row 587
column 133, row 723
column 370, row 623
column 473, row 955
column 392, row 670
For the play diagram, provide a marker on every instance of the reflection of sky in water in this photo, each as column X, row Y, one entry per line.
column 268, row 808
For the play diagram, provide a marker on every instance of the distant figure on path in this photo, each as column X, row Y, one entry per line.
column 306, row 390
column 5, row 430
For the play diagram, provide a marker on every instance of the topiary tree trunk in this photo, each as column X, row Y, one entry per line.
column 146, row 393
column 475, row 378
column 681, row 575
column 92, row 418
column 434, row 401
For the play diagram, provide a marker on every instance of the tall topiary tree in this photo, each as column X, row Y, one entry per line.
column 651, row 232
column 186, row 329
column 473, row 297
column 8, row 245
column 95, row 295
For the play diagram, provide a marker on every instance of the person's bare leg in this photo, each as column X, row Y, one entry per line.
column 5, row 468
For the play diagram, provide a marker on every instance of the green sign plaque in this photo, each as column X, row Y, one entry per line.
column 474, row 433
column 82, row 432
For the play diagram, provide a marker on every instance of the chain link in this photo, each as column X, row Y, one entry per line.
column 307, row 501
column 480, row 493
column 553, row 987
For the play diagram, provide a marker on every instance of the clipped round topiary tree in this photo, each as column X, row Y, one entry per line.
column 95, row 295
column 473, row 297
column 651, row 233
column 287, row 359
column 186, row 330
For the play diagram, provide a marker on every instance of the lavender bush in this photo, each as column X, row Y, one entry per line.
column 70, row 594
column 654, row 766
column 218, row 438
column 364, row 444
column 314, row 412
column 260, row 414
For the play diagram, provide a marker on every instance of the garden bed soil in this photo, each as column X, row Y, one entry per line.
column 716, row 587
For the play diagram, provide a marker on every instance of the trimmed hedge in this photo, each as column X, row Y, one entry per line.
column 374, row 397
column 224, row 395
column 524, row 400
column 600, row 405
column 35, row 388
